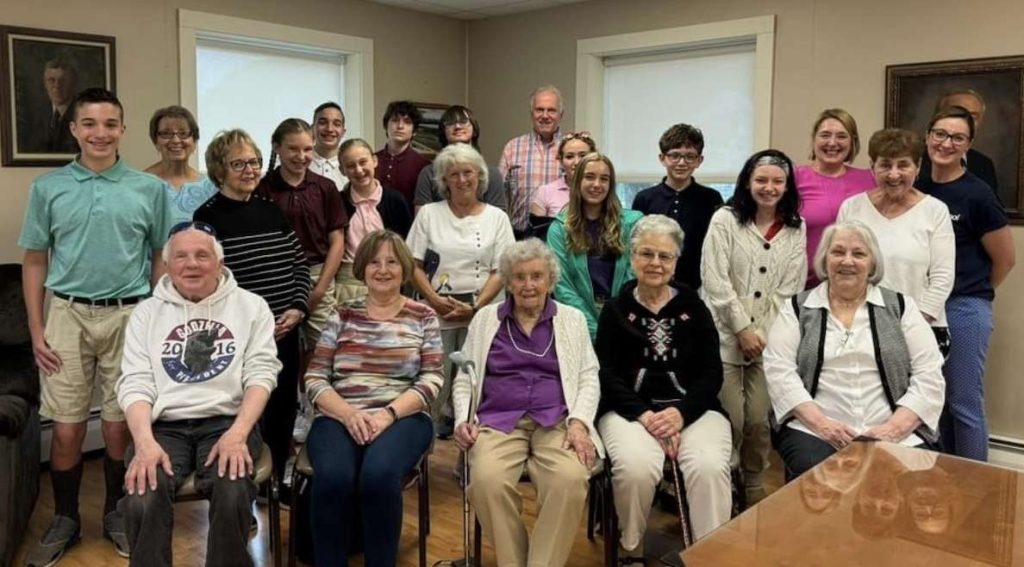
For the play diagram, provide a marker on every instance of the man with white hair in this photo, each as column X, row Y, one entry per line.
column 531, row 160
column 198, row 368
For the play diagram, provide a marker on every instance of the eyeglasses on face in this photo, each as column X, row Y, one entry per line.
column 940, row 136
column 239, row 165
column 675, row 157
column 185, row 225
column 168, row 135
column 649, row 256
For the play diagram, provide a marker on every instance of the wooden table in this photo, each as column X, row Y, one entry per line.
column 878, row 504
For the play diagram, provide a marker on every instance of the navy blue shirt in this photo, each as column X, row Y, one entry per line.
column 600, row 266
column 692, row 209
column 975, row 211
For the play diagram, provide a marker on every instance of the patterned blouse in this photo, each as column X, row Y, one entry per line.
column 369, row 363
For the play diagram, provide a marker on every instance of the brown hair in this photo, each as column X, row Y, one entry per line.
column 895, row 143
column 610, row 240
column 173, row 111
column 369, row 247
column 847, row 121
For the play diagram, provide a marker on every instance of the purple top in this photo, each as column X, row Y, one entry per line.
column 820, row 198
column 518, row 383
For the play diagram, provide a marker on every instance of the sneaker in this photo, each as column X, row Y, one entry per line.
column 63, row 533
column 113, row 530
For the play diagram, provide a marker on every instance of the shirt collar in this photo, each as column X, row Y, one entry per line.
column 505, row 310
column 818, row 298
column 556, row 139
column 113, row 173
column 374, row 197
column 277, row 182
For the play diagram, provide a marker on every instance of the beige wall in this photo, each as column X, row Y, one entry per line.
column 827, row 53
column 416, row 56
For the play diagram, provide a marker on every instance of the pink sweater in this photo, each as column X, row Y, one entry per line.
column 820, row 198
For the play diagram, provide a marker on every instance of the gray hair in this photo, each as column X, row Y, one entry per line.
column 865, row 234
column 546, row 89
column 657, row 225
column 525, row 251
column 455, row 154
column 218, row 250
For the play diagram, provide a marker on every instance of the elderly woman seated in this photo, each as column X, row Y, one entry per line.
column 538, row 394
column 823, row 355
column 660, row 375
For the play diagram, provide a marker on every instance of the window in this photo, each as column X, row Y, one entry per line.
column 632, row 87
column 238, row 73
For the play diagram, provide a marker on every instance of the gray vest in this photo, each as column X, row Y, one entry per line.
column 891, row 353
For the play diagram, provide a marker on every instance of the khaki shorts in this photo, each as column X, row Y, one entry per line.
column 89, row 341
column 346, row 285
column 318, row 313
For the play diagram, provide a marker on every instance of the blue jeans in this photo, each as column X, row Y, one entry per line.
column 963, row 427
column 373, row 475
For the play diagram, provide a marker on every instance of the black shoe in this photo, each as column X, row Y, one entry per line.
column 62, row 534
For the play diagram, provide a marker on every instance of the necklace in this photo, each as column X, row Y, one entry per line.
column 508, row 328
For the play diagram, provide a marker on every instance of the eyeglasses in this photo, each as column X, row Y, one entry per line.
column 462, row 122
column 649, row 256
column 675, row 157
column 185, row 225
column 239, row 165
column 941, row 136
column 168, row 135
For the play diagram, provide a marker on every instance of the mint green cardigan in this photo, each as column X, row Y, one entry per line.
column 574, row 287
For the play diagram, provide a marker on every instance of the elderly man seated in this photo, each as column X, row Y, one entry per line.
column 199, row 365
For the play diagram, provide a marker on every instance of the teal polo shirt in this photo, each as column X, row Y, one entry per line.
column 100, row 229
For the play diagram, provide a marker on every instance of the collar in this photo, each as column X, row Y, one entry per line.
column 668, row 190
column 385, row 152
column 278, row 184
column 375, row 197
column 506, row 309
column 113, row 173
column 818, row 298
column 555, row 139
column 332, row 161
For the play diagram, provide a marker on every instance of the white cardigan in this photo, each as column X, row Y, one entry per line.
column 577, row 364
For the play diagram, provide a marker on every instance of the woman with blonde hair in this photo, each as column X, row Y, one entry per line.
column 590, row 238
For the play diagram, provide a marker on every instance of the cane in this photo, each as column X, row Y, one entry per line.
column 684, row 508
column 464, row 364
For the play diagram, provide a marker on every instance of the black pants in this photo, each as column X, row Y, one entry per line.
column 800, row 451
column 149, row 518
column 278, row 418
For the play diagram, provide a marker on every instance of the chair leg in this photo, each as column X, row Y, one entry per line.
column 298, row 484
column 274, row 511
column 425, row 477
column 592, row 498
column 424, row 510
column 609, row 523
column 477, row 542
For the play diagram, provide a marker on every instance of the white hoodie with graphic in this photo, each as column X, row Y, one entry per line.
column 193, row 360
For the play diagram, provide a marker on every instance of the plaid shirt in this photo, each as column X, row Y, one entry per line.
column 534, row 163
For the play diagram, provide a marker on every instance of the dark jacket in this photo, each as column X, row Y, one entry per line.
column 393, row 209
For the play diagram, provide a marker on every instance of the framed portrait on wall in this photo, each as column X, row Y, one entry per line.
column 42, row 70
column 997, row 83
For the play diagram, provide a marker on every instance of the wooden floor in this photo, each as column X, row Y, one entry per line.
column 445, row 541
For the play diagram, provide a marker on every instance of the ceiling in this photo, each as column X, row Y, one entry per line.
column 475, row 9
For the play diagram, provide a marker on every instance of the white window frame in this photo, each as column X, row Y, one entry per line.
column 358, row 52
column 591, row 52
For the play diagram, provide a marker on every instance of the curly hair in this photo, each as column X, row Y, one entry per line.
column 219, row 148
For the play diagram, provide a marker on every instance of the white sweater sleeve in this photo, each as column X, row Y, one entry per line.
column 260, row 365
column 942, row 267
column 715, row 268
column 137, row 382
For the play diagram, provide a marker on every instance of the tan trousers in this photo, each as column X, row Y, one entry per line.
column 318, row 313
column 346, row 286
column 496, row 464
column 638, row 464
column 89, row 341
column 744, row 397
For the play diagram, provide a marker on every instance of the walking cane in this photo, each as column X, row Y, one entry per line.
column 684, row 508
column 464, row 364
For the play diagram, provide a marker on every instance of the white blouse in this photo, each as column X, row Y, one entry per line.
column 918, row 250
column 850, row 387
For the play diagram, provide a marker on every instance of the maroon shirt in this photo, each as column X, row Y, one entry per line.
column 313, row 210
column 518, row 384
column 400, row 172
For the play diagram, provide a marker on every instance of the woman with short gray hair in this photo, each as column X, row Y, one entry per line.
column 456, row 244
column 851, row 359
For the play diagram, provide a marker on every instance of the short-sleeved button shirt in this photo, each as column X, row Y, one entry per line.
column 100, row 229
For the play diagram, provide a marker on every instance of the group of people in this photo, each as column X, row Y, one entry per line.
column 681, row 328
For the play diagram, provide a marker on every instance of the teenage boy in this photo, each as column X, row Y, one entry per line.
column 398, row 165
column 92, row 235
column 680, row 197
column 328, row 132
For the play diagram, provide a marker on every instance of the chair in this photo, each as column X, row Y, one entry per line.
column 264, row 473
column 420, row 476
column 600, row 504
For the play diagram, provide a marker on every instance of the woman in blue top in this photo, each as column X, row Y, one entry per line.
column 590, row 238
column 984, row 257
column 174, row 133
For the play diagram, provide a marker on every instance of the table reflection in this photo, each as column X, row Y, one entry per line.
column 877, row 504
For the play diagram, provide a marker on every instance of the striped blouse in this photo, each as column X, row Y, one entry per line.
column 260, row 249
column 369, row 363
